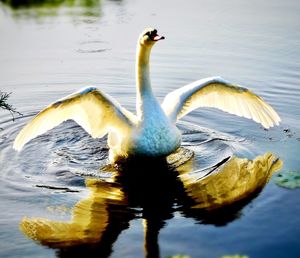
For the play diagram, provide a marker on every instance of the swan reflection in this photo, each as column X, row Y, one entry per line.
column 98, row 219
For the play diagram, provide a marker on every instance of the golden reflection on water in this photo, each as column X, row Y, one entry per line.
column 90, row 218
column 98, row 219
column 233, row 181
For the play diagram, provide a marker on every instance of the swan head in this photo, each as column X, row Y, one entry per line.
column 149, row 37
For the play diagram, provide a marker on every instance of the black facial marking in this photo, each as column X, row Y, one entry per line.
column 151, row 34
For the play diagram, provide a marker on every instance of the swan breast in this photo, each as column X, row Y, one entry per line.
column 155, row 136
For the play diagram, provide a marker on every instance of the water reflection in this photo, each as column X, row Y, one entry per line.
column 219, row 197
column 40, row 8
column 152, row 193
column 95, row 224
column 50, row 3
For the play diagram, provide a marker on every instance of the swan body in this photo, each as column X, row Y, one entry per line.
column 152, row 132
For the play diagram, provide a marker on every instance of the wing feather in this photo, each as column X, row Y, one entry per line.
column 92, row 109
column 217, row 93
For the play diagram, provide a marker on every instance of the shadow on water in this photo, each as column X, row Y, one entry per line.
column 153, row 192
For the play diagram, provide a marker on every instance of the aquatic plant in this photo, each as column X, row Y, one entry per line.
column 4, row 105
column 290, row 179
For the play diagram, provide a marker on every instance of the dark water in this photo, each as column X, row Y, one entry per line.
column 54, row 192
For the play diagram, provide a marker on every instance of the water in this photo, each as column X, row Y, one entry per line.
column 48, row 51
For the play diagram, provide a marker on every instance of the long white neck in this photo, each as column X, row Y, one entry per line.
column 143, row 83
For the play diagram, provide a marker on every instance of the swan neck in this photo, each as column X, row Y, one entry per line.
column 143, row 70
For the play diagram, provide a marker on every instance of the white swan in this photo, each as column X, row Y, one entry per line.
column 152, row 132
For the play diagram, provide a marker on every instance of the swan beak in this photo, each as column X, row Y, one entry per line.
column 157, row 38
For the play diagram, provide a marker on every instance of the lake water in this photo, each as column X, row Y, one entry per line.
column 55, row 202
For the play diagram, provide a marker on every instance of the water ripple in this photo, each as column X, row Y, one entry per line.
column 61, row 157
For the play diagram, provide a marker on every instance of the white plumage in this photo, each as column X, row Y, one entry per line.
column 152, row 132
column 215, row 92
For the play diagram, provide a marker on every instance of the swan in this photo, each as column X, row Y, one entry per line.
column 152, row 131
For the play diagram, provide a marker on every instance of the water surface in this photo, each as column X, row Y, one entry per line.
column 50, row 50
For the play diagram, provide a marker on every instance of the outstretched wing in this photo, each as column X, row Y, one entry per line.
column 218, row 93
column 93, row 110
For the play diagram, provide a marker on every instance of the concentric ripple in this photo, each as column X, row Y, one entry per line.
column 60, row 158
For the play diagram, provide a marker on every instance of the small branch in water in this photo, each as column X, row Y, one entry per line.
column 4, row 105
column 66, row 189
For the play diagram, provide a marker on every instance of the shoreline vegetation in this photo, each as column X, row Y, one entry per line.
column 38, row 9
column 21, row 4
